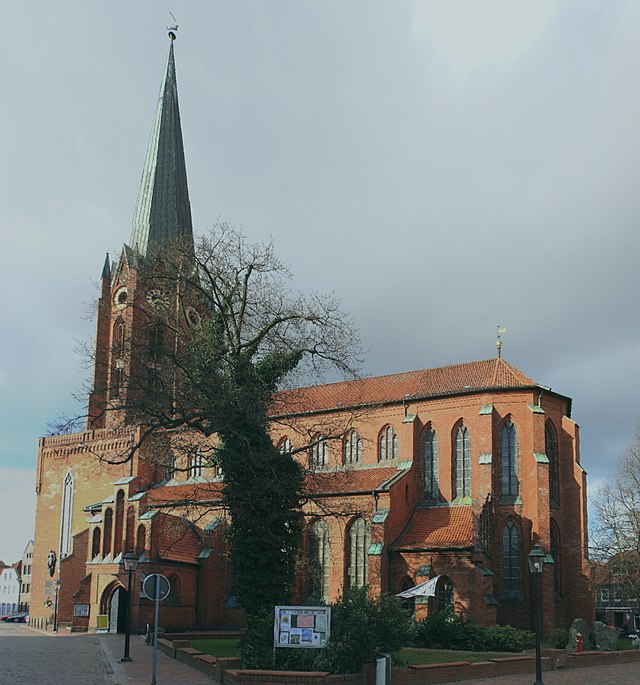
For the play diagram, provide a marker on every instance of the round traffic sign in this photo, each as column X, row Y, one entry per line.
column 156, row 586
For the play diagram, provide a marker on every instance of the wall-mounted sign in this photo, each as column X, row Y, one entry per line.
column 80, row 609
column 301, row 627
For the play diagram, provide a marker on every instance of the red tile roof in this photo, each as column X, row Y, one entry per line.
column 183, row 493
column 175, row 539
column 438, row 527
column 360, row 480
column 491, row 374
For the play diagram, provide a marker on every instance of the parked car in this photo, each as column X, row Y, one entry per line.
column 20, row 617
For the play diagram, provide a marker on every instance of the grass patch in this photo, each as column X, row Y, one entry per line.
column 218, row 648
column 432, row 656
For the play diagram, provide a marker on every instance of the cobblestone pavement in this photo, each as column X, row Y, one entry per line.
column 29, row 657
column 620, row 674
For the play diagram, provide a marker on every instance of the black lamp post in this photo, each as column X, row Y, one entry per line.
column 536, row 566
column 129, row 563
column 56, row 585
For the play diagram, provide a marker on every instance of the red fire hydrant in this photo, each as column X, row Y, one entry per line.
column 579, row 643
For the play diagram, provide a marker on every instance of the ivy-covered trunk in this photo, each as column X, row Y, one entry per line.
column 262, row 491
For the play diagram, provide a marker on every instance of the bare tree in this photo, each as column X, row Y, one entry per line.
column 214, row 334
column 615, row 534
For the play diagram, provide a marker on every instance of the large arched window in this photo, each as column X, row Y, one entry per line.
column 511, row 583
column 463, row 463
column 352, row 448
column 66, row 516
column 551, row 449
column 510, row 482
column 557, row 565
column 319, row 451
column 430, row 457
column 358, row 549
column 318, row 564
column 387, row 444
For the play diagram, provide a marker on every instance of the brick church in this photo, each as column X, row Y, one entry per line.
column 448, row 474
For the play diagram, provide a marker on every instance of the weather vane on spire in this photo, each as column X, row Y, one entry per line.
column 499, row 331
column 172, row 29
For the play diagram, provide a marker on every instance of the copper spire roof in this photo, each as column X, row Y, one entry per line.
column 163, row 212
column 492, row 374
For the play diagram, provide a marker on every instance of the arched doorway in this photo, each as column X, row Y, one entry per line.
column 114, row 605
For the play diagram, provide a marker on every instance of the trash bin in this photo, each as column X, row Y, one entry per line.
column 383, row 669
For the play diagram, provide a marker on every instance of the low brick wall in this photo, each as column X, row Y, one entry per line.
column 250, row 677
column 601, row 658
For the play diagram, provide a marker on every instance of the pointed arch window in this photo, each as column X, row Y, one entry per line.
column 358, row 547
column 319, row 452
column 117, row 379
column 430, row 457
column 66, row 516
column 551, row 449
column 511, row 554
column 318, row 565
column 510, row 481
column 118, row 340
column 388, row 444
column 444, row 594
column 196, row 465
column 463, row 463
column 284, row 446
column 156, row 341
column 352, row 448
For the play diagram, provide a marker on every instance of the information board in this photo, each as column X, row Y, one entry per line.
column 302, row 627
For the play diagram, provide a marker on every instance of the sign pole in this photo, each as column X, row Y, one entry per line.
column 155, row 633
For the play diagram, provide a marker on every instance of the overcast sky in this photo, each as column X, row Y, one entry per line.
column 442, row 166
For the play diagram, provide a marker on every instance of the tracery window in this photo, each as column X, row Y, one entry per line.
column 318, row 563
column 444, row 594
column 196, row 465
column 284, row 445
column 358, row 549
column 551, row 449
column 319, row 451
column 430, row 457
column 511, row 576
column 388, row 444
column 510, row 482
column 352, row 448
column 463, row 462
column 118, row 338
column 66, row 516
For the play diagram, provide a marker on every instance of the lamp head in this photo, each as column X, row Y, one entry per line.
column 130, row 561
column 536, row 559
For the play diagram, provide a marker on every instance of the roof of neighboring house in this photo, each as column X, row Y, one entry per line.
column 471, row 377
column 437, row 528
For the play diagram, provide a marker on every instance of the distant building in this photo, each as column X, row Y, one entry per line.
column 616, row 593
column 9, row 589
column 455, row 473
column 25, row 577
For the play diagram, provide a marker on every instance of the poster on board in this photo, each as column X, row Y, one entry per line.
column 301, row 627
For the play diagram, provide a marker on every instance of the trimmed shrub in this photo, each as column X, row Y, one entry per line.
column 362, row 626
column 558, row 638
column 448, row 630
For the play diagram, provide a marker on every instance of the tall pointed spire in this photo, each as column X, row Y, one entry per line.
column 163, row 212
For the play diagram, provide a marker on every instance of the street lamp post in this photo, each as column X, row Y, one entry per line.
column 130, row 563
column 56, row 585
column 536, row 566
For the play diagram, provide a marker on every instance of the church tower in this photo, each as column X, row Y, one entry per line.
column 162, row 217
